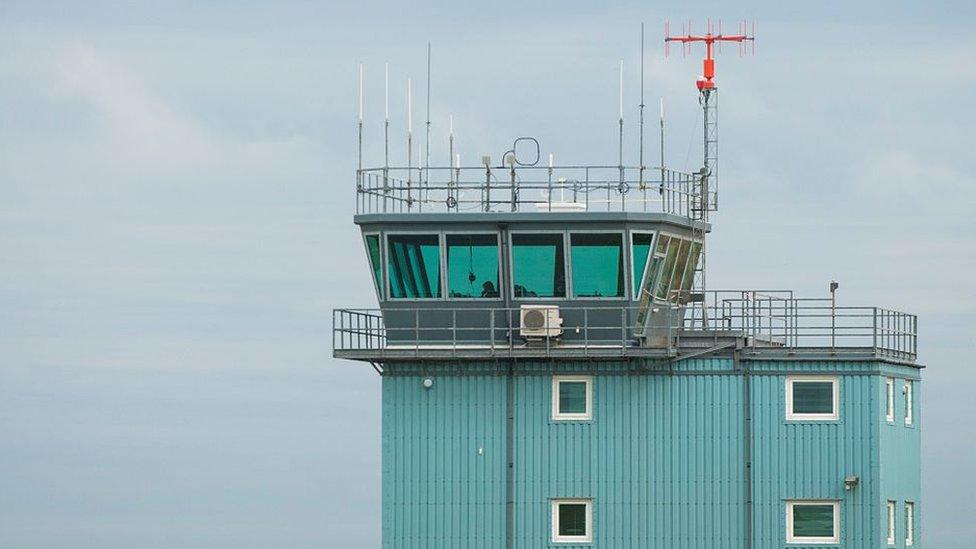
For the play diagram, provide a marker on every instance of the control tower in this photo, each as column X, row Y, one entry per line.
column 554, row 373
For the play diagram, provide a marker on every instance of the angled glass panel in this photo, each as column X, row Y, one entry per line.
column 665, row 279
column 813, row 521
column 680, row 266
column 640, row 249
column 572, row 519
column 414, row 264
column 572, row 397
column 373, row 250
column 694, row 256
column 472, row 265
column 538, row 265
column 813, row 397
column 598, row 264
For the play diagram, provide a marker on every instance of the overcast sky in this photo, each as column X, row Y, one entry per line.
column 176, row 225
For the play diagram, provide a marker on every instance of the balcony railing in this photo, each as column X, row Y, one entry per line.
column 771, row 323
column 534, row 189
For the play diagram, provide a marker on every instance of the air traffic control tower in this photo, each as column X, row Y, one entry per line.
column 555, row 374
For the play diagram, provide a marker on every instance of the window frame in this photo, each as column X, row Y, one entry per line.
column 511, row 266
column 890, row 507
column 567, row 417
column 554, row 514
column 909, row 392
column 802, row 416
column 568, row 254
column 909, row 523
column 501, row 265
column 890, row 399
column 634, row 294
column 380, row 293
column 790, row 538
column 442, row 274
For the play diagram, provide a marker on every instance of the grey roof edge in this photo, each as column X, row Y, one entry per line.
column 529, row 217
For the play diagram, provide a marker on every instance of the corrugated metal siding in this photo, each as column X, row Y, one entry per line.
column 662, row 458
column 901, row 450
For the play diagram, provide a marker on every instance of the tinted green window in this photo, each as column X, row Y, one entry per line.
column 641, row 248
column 572, row 519
column 572, row 397
column 538, row 265
column 813, row 521
column 373, row 248
column 472, row 265
column 598, row 265
column 665, row 280
column 813, row 397
column 414, row 265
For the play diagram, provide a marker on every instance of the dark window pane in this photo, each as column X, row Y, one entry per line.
column 598, row 265
column 538, row 265
column 414, row 265
column 813, row 521
column 813, row 397
column 373, row 248
column 572, row 519
column 572, row 397
column 472, row 265
column 640, row 250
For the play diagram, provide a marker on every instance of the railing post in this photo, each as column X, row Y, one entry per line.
column 586, row 332
column 416, row 332
column 491, row 330
column 623, row 330
column 454, row 333
column 874, row 330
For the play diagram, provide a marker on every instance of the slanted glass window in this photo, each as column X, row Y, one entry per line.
column 572, row 398
column 680, row 266
column 891, row 522
column 414, row 265
column 664, row 282
column 472, row 265
column 812, row 522
column 538, row 265
column 909, row 404
column 694, row 255
column 598, row 264
column 640, row 249
column 571, row 520
column 373, row 250
column 811, row 398
column 909, row 523
column 890, row 401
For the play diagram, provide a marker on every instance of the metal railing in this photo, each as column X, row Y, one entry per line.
column 533, row 188
column 767, row 321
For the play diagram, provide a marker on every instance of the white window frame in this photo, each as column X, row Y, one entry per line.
column 909, row 402
column 890, row 400
column 909, row 523
column 790, row 538
column 556, row 415
column 833, row 416
column 891, row 522
column 556, row 538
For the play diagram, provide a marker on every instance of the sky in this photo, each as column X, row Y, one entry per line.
column 176, row 225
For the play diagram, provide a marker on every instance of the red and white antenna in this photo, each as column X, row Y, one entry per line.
column 711, row 39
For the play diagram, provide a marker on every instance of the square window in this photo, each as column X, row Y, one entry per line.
column 909, row 412
column 598, row 264
column 472, row 266
column 812, row 398
column 572, row 398
column 812, row 522
column 890, row 400
column 538, row 265
column 571, row 520
column 891, row 522
column 414, row 265
column 909, row 523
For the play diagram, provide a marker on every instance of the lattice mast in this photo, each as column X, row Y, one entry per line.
column 706, row 191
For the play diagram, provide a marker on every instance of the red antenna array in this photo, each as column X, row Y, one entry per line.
column 745, row 38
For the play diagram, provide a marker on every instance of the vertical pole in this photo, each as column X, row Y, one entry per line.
column 640, row 133
column 620, row 142
column 427, row 141
column 450, row 156
column 360, row 116
column 386, row 132
column 662, row 145
column 409, row 140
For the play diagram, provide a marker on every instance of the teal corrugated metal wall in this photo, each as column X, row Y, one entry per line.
column 901, row 448
column 662, row 458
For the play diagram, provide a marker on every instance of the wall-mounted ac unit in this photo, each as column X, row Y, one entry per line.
column 539, row 321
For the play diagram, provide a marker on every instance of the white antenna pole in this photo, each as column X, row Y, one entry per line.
column 409, row 139
column 427, row 141
column 640, row 138
column 620, row 149
column 450, row 140
column 386, row 116
column 360, row 116
column 662, row 144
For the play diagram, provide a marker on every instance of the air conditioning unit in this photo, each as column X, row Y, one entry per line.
column 540, row 321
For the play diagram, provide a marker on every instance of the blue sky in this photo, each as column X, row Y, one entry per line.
column 175, row 227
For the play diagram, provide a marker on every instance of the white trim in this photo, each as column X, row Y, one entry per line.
column 833, row 416
column 891, row 522
column 790, row 538
column 890, row 400
column 909, row 524
column 588, row 414
column 909, row 402
column 588, row 537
